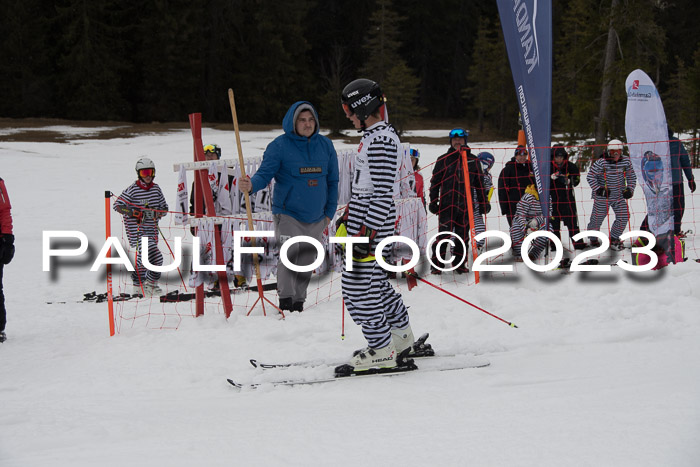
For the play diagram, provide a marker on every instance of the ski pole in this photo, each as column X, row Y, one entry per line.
column 460, row 298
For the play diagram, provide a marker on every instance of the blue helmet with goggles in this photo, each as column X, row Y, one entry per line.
column 459, row 133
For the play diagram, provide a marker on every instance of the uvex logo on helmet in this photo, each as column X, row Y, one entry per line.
column 364, row 99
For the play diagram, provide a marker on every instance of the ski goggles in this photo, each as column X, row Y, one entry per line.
column 521, row 152
column 143, row 173
column 210, row 148
column 459, row 133
column 414, row 153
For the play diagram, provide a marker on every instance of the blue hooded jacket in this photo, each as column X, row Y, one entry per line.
column 305, row 171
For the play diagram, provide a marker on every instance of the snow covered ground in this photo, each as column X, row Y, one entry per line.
column 603, row 370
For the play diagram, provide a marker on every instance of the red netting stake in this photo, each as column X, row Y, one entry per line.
column 108, row 254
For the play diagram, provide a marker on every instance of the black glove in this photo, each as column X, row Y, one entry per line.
column 363, row 250
column 691, row 185
column 603, row 191
column 131, row 211
column 7, row 249
column 627, row 193
column 434, row 207
column 487, row 208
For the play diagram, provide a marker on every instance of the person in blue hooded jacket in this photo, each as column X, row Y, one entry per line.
column 304, row 165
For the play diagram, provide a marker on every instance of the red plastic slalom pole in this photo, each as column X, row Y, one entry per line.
column 459, row 298
column 108, row 233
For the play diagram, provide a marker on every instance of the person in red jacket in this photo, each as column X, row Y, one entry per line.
column 7, row 249
column 420, row 185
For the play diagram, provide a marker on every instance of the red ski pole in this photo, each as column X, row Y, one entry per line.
column 459, row 298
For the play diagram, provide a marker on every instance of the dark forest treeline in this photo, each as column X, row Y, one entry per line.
column 160, row 60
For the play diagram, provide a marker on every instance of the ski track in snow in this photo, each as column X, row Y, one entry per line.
column 604, row 369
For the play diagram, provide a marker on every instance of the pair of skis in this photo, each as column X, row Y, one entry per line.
column 332, row 372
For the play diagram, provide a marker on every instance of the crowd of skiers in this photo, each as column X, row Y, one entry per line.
column 611, row 178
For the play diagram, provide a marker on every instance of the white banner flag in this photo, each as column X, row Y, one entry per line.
column 647, row 137
column 181, row 212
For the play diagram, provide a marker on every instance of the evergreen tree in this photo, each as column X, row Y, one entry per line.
column 598, row 48
column 272, row 68
column 491, row 92
column 401, row 89
column 336, row 75
column 385, row 65
column 24, row 48
column 91, row 59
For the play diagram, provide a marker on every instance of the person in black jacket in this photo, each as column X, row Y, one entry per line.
column 448, row 199
column 565, row 176
column 512, row 182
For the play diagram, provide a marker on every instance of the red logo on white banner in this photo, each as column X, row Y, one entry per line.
column 635, row 84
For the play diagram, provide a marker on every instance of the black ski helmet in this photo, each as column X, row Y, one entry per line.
column 362, row 97
column 559, row 150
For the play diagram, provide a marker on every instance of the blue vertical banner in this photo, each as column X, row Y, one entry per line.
column 527, row 30
column 647, row 139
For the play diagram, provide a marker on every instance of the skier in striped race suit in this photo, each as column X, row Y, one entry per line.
column 371, row 300
column 612, row 181
column 142, row 204
column 528, row 218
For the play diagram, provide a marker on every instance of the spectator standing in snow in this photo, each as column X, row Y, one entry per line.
column 420, row 186
column 304, row 165
column 7, row 249
column 448, row 199
column 142, row 205
column 565, row 176
column 612, row 181
column 512, row 182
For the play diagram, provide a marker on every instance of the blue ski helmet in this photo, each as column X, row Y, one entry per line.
column 486, row 159
column 653, row 171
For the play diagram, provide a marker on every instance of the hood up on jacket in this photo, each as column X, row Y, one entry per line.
column 290, row 119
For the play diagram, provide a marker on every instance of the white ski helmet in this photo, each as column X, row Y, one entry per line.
column 145, row 163
column 615, row 145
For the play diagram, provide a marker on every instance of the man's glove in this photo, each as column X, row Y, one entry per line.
column 363, row 250
column 627, row 193
column 7, row 248
column 434, row 207
column 487, row 208
column 603, row 191
column 691, row 185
